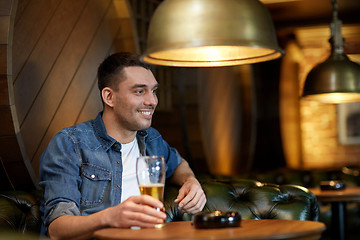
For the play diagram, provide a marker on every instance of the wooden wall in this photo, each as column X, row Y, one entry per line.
column 56, row 48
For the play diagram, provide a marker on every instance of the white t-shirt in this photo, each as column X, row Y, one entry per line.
column 129, row 153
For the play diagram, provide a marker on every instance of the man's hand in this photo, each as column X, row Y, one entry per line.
column 138, row 211
column 142, row 211
column 191, row 197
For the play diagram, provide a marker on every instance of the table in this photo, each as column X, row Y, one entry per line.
column 338, row 200
column 250, row 229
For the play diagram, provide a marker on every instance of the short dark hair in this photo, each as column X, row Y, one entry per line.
column 113, row 66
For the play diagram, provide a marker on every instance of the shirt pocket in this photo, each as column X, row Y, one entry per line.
column 95, row 182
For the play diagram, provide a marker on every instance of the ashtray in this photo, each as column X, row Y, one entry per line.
column 216, row 219
column 332, row 185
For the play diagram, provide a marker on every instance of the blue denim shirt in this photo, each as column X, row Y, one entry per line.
column 81, row 169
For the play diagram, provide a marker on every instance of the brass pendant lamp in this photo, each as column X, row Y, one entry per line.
column 202, row 33
column 337, row 80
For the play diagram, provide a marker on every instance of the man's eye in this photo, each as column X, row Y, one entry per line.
column 139, row 91
column 154, row 91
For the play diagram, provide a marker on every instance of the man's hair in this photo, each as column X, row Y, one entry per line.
column 110, row 71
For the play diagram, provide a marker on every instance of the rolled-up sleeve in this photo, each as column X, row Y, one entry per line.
column 62, row 208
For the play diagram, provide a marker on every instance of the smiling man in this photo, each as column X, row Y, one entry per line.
column 88, row 170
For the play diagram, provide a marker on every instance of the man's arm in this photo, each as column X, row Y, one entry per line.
column 191, row 197
column 135, row 211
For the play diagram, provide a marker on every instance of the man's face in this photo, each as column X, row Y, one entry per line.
column 135, row 99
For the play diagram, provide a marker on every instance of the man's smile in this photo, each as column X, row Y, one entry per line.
column 146, row 113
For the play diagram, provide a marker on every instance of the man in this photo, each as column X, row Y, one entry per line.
column 88, row 170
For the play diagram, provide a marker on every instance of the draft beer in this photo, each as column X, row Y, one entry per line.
column 150, row 174
column 154, row 190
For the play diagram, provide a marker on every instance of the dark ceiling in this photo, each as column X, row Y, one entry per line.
column 308, row 20
column 312, row 12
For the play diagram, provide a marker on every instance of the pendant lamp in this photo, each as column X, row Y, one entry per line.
column 337, row 80
column 201, row 33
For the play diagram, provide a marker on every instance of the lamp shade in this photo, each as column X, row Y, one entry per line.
column 336, row 80
column 198, row 33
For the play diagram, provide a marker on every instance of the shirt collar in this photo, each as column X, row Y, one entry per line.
column 100, row 132
column 107, row 141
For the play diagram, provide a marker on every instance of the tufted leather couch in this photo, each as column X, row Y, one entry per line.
column 19, row 211
column 311, row 178
column 252, row 199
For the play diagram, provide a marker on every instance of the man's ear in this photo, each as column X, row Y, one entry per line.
column 108, row 96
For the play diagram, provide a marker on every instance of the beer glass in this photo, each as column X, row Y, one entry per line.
column 150, row 173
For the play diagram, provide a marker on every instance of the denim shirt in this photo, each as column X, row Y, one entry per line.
column 81, row 169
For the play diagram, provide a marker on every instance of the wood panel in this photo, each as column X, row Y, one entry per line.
column 56, row 48
column 125, row 40
column 28, row 30
column 92, row 105
column 44, row 54
column 21, row 6
column 61, row 75
column 84, row 78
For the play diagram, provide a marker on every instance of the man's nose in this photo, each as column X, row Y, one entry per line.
column 151, row 99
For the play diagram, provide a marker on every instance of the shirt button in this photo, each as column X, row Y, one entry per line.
column 93, row 176
column 117, row 162
column 118, row 186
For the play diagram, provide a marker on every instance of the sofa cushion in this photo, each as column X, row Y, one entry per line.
column 20, row 211
column 252, row 199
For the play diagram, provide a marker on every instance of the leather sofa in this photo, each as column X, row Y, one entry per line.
column 20, row 212
column 311, row 178
column 252, row 199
